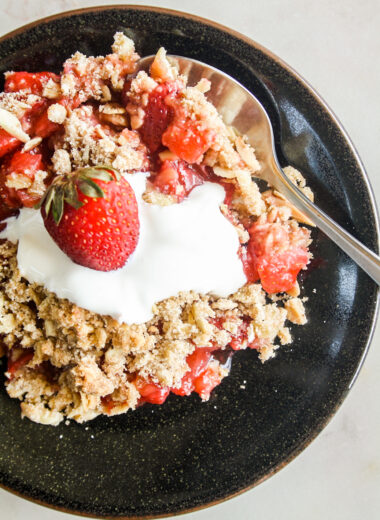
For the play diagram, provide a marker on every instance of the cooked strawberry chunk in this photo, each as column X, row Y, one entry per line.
column 108, row 403
column 249, row 264
column 279, row 273
column 21, row 165
column 31, row 115
column 37, row 122
column 151, row 392
column 158, row 115
column 205, row 383
column 19, row 362
column 268, row 238
column 188, row 139
column 277, row 254
column 8, row 143
column 197, row 362
column 43, row 127
column 240, row 339
column 176, row 178
column 30, row 82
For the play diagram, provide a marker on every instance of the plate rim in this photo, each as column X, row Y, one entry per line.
column 325, row 106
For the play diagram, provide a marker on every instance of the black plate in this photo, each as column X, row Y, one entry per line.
column 182, row 455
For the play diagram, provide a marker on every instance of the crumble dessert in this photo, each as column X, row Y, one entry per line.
column 68, row 143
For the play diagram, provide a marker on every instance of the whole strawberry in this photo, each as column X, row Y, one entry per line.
column 92, row 215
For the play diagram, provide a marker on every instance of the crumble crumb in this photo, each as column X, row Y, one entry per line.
column 123, row 46
column 57, row 113
column 295, row 311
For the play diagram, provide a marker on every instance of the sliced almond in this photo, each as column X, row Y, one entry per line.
column 114, row 119
column 32, row 144
column 112, row 108
column 12, row 125
column 226, row 173
column 106, row 94
column 277, row 199
column 167, row 155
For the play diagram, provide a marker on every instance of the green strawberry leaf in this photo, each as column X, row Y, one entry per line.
column 100, row 174
column 48, row 199
column 107, row 168
column 57, row 205
column 71, row 195
column 90, row 188
column 42, row 200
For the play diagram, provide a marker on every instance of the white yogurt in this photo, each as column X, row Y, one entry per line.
column 186, row 246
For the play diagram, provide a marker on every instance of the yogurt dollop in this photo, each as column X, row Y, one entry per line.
column 182, row 247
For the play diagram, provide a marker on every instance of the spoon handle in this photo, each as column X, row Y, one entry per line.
column 364, row 257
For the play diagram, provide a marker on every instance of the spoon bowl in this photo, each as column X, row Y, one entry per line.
column 240, row 109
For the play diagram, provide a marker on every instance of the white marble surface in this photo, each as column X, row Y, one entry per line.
column 335, row 45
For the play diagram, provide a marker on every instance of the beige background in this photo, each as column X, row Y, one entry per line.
column 335, row 45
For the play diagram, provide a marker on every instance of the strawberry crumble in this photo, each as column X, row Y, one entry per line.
column 137, row 251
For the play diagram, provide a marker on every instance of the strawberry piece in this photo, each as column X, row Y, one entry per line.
column 249, row 264
column 16, row 364
column 25, row 164
column 240, row 339
column 278, row 273
column 273, row 257
column 8, row 143
column 43, row 127
column 176, row 178
column 31, row 115
column 151, row 392
column 108, row 403
column 205, row 383
column 197, row 362
column 30, row 82
column 93, row 217
column 188, row 139
column 158, row 115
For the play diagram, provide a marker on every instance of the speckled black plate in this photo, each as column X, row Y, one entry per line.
column 182, row 455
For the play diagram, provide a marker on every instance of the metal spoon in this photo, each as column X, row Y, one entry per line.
column 240, row 109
